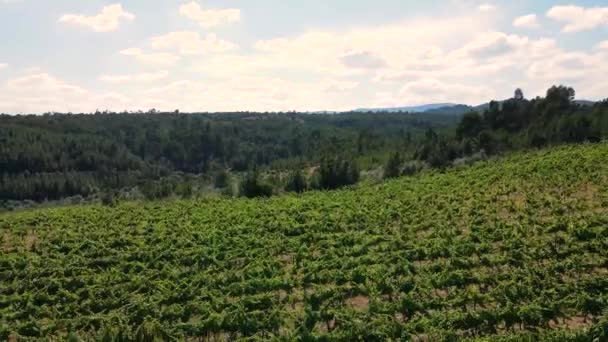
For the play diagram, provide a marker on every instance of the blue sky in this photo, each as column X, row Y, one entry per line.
column 267, row 55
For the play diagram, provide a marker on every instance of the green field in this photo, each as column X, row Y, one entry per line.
column 514, row 248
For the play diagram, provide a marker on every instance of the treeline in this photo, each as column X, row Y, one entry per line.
column 514, row 124
column 156, row 155
column 53, row 156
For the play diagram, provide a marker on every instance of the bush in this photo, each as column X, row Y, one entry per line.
column 221, row 179
column 108, row 199
column 252, row 187
column 392, row 168
column 335, row 173
column 296, row 182
column 413, row 167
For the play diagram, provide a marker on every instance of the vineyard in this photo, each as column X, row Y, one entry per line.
column 506, row 250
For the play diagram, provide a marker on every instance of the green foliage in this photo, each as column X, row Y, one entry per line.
column 222, row 179
column 51, row 157
column 516, row 124
column 470, row 126
column 509, row 250
column 108, row 198
column 337, row 172
column 392, row 168
column 252, row 186
column 296, row 182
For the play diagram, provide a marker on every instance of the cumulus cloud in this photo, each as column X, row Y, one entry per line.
column 492, row 44
column 178, row 86
column 111, row 97
column 578, row 18
column 526, row 21
column 209, row 17
column 43, row 82
column 602, row 45
column 144, row 77
column 359, row 50
column 486, row 7
column 420, row 91
column 338, row 85
column 362, row 60
column 190, row 43
column 258, row 93
column 37, row 91
column 571, row 66
column 107, row 20
column 154, row 58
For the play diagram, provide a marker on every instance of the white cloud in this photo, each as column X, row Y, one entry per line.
column 491, row 44
column 420, row 91
column 108, row 100
column 190, row 43
column 209, row 17
column 3, row 65
column 526, row 21
column 486, row 7
column 107, row 20
column 579, row 18
column 43, row 82
column 429, row 90
column 362, row 60
column 337, row 85
column 580, row 69
column 602, row 45
column 355, row 51
column 258, row 94
column 178, row 86
column 495, row 59
column 40, row 92
column 154, row 58
column 144, row 77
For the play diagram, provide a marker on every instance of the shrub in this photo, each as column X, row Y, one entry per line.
column 252, row 186
column 296, row 182
column 337, row 172
column 392, row 168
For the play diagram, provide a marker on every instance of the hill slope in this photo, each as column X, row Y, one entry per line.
column 506, row 248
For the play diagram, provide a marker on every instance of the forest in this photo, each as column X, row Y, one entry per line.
column 108, row 156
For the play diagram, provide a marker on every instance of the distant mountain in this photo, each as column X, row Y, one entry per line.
column 411, row 109
column 458, row 109
column 446, row 108
column 584, row 102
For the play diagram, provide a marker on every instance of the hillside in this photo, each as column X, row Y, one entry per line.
column 51, row 157
column 505, row 249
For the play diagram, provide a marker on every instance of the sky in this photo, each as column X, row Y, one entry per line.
column 304, row 55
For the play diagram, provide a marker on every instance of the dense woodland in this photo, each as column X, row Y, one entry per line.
column 55, row 156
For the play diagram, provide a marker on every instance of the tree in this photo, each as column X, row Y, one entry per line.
column 392, row 168
column 296, row 182
column 470, row 126
column 252, row 186
column 337, row 172
column 221, row 179
column 560, row 96
column 519, row 94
